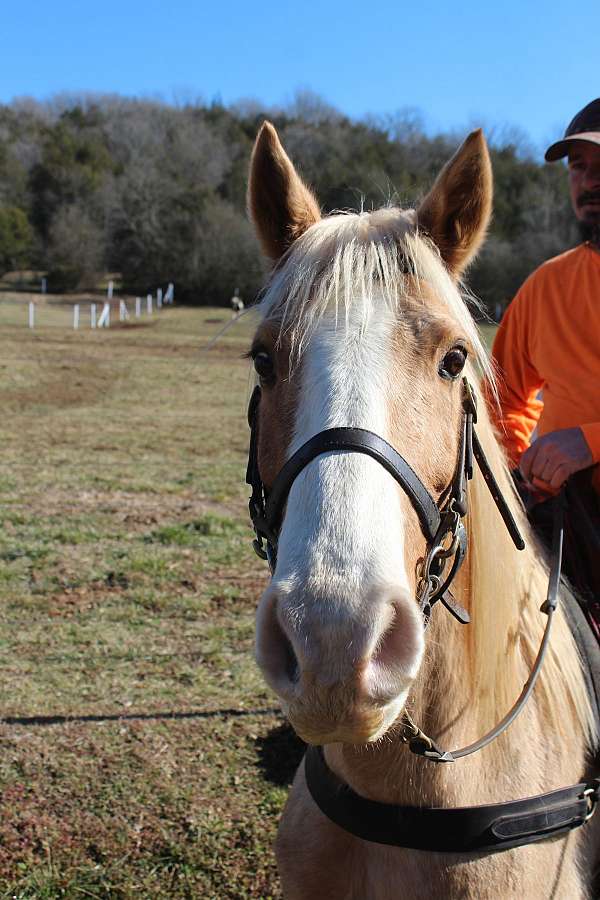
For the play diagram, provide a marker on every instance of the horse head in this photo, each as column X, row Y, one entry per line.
column 363, row 326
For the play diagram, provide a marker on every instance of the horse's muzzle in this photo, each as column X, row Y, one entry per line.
column 342, row 673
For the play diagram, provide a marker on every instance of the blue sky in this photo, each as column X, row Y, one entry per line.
column 528, row 64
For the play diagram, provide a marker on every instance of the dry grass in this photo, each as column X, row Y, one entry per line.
column 141, row 755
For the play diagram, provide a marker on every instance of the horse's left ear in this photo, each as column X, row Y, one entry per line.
column 279, row 203
column 456, row 211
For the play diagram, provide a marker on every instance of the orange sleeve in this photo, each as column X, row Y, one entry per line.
column 591, row 433
column 518, row 381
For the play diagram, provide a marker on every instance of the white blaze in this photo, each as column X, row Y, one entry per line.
column 342, row 536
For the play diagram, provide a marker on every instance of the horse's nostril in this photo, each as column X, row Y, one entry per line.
column 274, row 651
column 292, row 669
column 398, row 653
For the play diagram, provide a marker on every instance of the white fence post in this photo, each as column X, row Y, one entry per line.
column 109, row 290
column 159, row 298
column 104, row 320
column 123, row 311
column 170, row 295
column 93, row 315
column 138, row 307
column 44, row 285
column 149, row 304
column 31, row 314
column 76, row 316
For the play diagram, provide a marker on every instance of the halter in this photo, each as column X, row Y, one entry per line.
column 494, row 826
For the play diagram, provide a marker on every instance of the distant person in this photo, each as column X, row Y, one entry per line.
column 236, row 303
column 549, row 340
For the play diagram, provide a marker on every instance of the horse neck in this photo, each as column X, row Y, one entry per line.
column 472, row 675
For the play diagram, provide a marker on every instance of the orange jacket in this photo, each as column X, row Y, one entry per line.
column 549, row 340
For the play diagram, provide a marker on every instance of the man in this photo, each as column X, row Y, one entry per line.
column 549, row 341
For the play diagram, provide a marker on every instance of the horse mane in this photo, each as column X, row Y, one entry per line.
column 369, row 256
column 373, row 252
column 515, row 583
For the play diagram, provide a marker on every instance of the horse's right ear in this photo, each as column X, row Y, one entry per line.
column 279, row 203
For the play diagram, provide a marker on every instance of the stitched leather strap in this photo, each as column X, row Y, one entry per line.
column 492, row 484
column 463, row 829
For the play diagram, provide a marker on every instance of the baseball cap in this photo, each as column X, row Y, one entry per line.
column 584, row 127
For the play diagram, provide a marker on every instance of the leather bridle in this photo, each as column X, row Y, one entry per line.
column 441, row 521
column 442, row 525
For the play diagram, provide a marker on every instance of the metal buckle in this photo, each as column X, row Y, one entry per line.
column 428, row 582
column 444, row 554
column 591, row 796
column 258, row 548
column 438, row 551
column 469, row 400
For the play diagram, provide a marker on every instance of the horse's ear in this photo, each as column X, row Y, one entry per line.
column 456, row 211
column 279, row 203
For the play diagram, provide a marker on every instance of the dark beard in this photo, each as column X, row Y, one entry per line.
column 590, row 232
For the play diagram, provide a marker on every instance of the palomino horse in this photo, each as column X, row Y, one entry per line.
column 364, row 330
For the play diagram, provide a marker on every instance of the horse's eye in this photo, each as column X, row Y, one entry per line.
column 453, row 362
column 264, row 365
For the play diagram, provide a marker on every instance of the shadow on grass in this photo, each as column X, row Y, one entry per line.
column 145, row 717
column 279, row 754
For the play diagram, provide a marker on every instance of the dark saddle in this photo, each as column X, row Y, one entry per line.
column 581, row 566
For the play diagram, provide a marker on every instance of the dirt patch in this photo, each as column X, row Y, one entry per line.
column 86, row 389
column 71, row 603
column 137, row 511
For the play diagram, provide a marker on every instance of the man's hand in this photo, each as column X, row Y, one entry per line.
column 553, row 458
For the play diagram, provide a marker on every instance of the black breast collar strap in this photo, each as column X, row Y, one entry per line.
column 463, row 829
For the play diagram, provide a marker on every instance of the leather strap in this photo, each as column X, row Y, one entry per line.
column 256, row 503
column 353, row 440
column 425, row 746
column 496, row 493
column 462, row 829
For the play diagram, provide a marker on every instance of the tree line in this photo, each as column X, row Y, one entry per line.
column 157, row 191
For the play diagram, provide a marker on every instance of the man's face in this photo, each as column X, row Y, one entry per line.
column 584, row 181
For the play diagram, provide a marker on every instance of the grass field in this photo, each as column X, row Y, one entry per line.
column 140, row 753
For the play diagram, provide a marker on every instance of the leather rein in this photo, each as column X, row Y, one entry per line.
column 442, row 525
